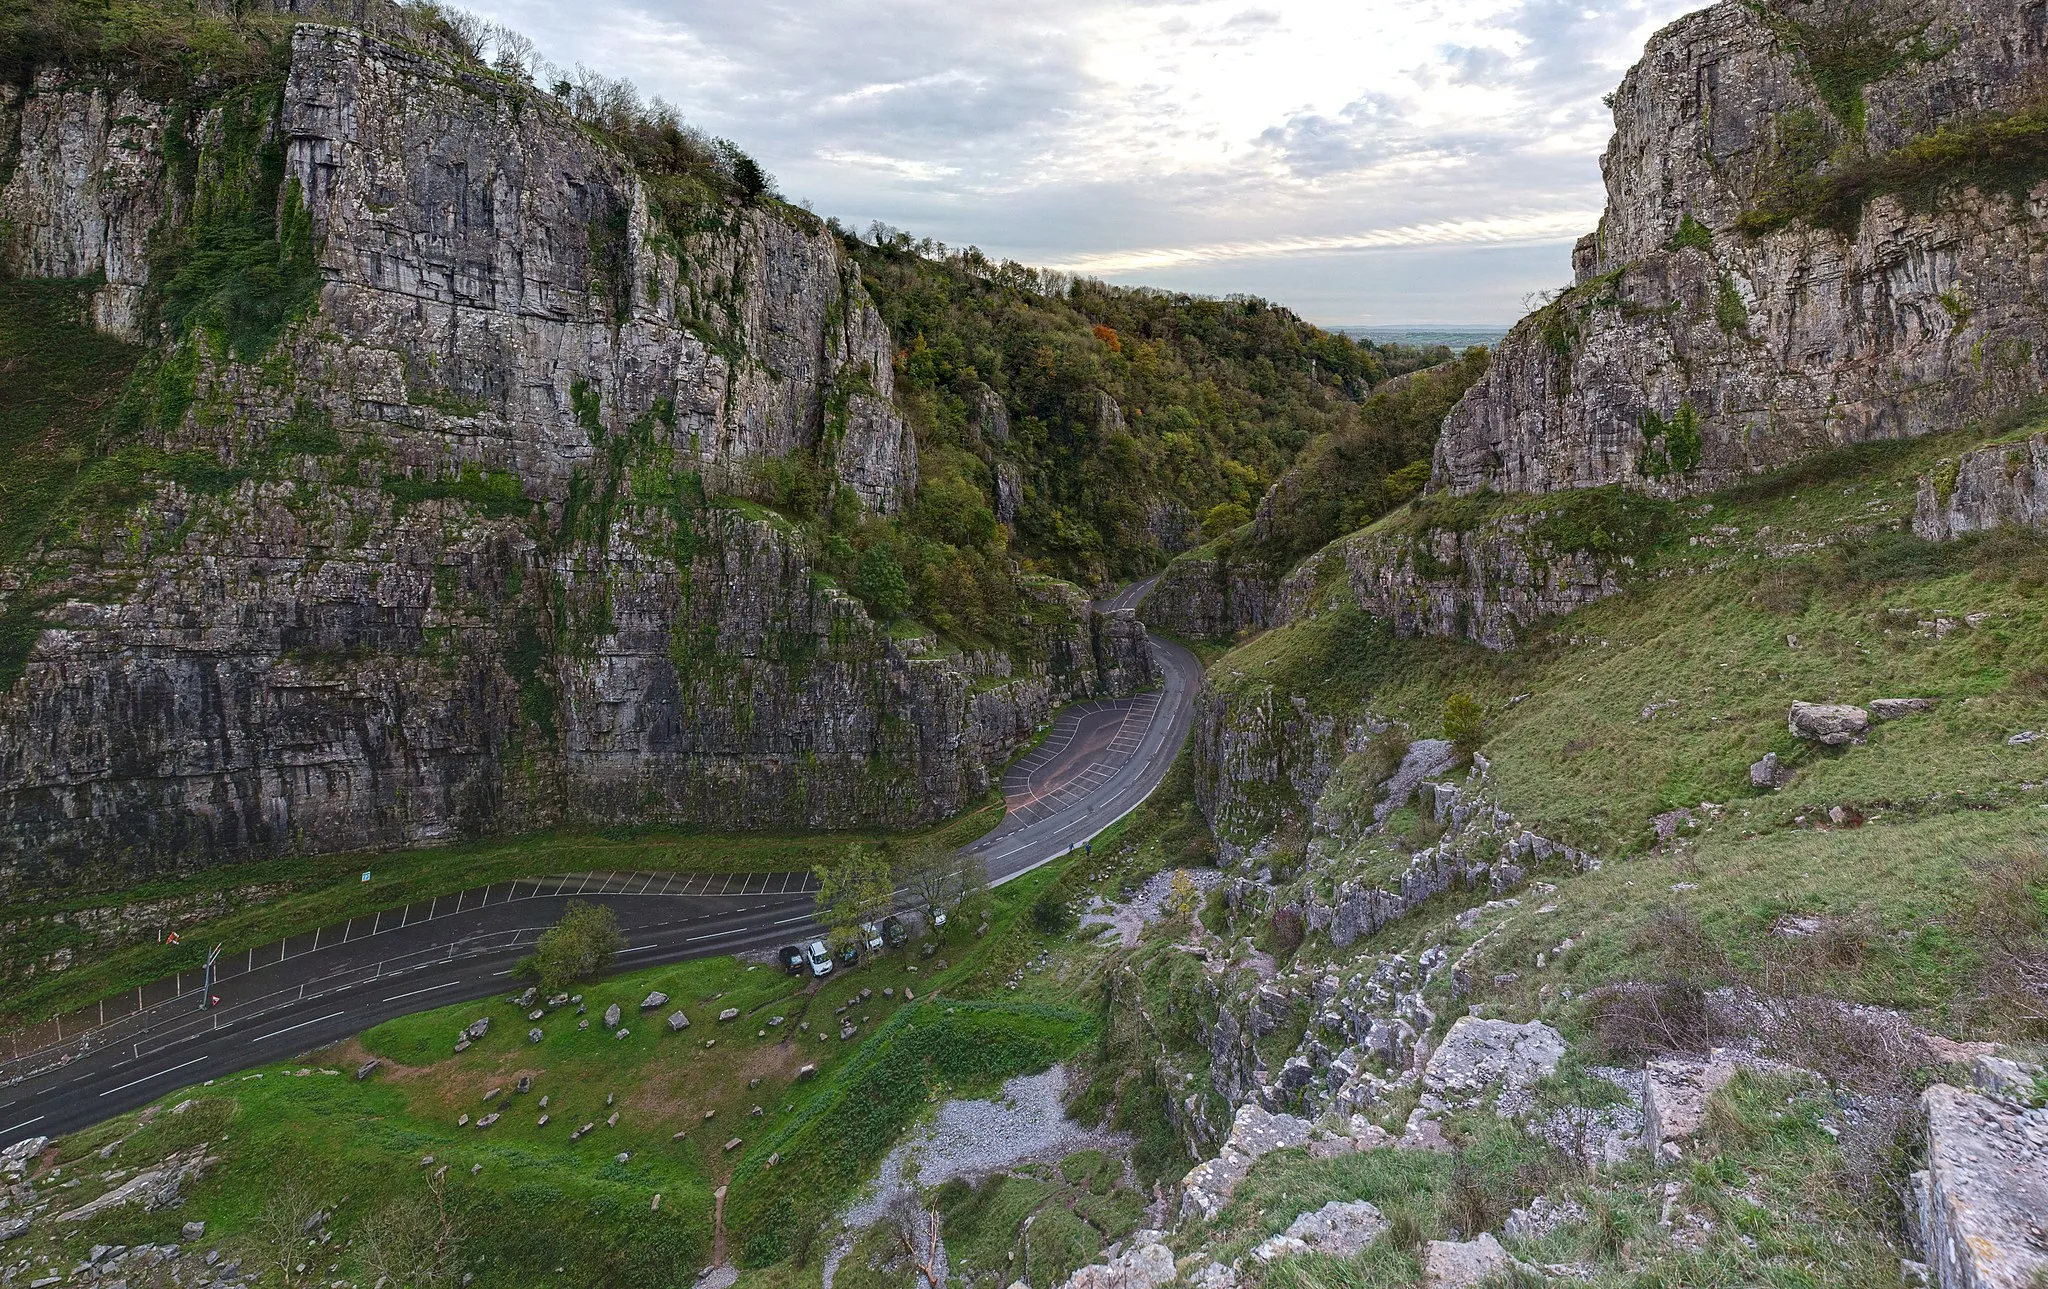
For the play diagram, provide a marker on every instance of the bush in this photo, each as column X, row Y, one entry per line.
column 1288, row 930
column 881, row 585
column 1051, row 913
column 1464, row 723
column 1638, row 1019
column 577, row 948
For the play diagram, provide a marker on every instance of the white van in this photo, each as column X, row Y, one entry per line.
column 819, row 957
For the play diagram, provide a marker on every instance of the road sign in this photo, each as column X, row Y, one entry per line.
column 171, row 937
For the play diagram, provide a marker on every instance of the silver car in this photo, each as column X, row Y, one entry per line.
column 819, row 957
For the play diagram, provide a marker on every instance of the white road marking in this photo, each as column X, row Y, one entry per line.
column 415, row 993
column 147, row 1077
column 289, row 1028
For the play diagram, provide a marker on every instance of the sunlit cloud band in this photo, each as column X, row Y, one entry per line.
column 1506, row 230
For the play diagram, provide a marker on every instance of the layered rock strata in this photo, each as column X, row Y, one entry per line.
column 1722, row 323
column 448, row 559
column 2005, row 485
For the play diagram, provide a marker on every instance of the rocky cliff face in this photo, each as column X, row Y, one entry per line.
column 1785, row 265
column 2005, row 484
column 1481, row 584
column 446, row 559
column 1208, row 594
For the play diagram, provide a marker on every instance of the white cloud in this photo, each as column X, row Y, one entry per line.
column 1168, row 141
column 1505, row 230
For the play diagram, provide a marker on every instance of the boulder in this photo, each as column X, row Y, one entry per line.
column 155, row 1188
column 730, row 1013
column 366, row 1069
column 1675, row 1092
column 611, row 1016
column 732, row 1145
column 534, row 1035
column 2003, row 1078
column 1829, row 724
column 1452, row 1264
column 13, row 1227
column 487, row 1121
column 1893, row 709
column 1210, row 1184
column 1541, row 1217
column 1769, row 773
column 677, row 1022
column 1340, row 1229
column 16, row 1158
column 1982, row 1194
column 525, row 999
column 478, row 1028
column 653, row 1000
column 1480, row 1056
column 1145, row 1264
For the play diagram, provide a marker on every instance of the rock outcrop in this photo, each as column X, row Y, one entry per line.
column 2005, row 485
column 449, row 558
column 1982, row 1194
column 1738, row 308
column 1482, row 583
column 1207, row 594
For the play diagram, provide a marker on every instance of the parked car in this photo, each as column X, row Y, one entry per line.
column 894, row 931
column 792, row 958
column 937, row 916
column 849, row 953
column 819, row 958
column 871, row 936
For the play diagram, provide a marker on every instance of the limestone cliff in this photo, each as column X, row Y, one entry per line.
column 1792, row 257
column 1481, row 583
column 1991, row 487
column 435, row 547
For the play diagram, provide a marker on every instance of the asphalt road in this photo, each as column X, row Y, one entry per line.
column 1099, row 762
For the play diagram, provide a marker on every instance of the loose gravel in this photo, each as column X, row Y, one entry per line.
column 1130, row 918
column 973, row 1139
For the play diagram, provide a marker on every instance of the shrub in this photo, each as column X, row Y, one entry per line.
column 1638, row 1019
column 1464, row 723
column 577, row 948
column 1691, row 235
column 881, row 585
column 1288, row 930
column 1051, row 913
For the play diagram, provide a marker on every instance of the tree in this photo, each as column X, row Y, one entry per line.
column 881, row 585
column 929, row 870
column 414, row 1242
column 283, row 1231
column 1182, row 898
column 1464, row 723
column 577, row 948
column 854, row 889
column 1222, row 518
column 916, row 1228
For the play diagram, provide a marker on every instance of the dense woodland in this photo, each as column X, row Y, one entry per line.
column 1137, row 422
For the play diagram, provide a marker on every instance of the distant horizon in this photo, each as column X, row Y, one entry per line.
column 1451, row 335
column 1343, row 160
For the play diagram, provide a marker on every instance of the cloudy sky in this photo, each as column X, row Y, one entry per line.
column 1365, row 161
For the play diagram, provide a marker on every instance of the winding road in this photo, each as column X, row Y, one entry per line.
column 1097, row 764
